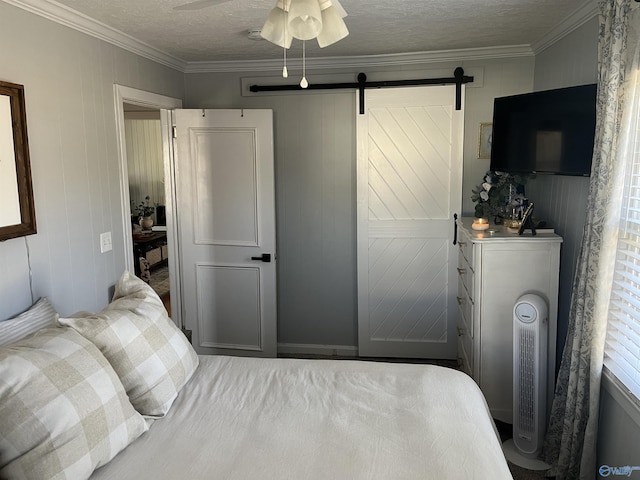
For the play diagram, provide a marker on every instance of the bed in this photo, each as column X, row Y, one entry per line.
column 251, row 418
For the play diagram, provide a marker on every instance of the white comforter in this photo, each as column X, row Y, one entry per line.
column 248, row 418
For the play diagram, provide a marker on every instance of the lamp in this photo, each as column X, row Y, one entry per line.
column 333, row 27
column 275, row 28
column 304, row 20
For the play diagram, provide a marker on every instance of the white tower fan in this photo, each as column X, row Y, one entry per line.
column 530, row 329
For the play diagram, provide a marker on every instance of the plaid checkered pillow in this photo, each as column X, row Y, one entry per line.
column 150, row 354
column 63, row 410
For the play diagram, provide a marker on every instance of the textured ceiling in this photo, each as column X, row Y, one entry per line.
column 219, row 32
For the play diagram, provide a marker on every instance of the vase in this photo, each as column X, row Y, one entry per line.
column 146, row 223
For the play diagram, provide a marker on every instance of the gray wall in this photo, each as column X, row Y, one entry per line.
column 68, row 79
column 562, row 200
column 619, row 427
column 315, row 150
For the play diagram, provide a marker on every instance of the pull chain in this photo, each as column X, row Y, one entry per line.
column 303, row 82
column 285, row 73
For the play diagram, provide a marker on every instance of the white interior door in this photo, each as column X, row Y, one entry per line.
column 226, row 224
column 409, row 186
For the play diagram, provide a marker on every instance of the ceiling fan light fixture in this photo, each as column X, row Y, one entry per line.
column 324, row 4
column 274, row 29
column 333, row 27
column 305, row 19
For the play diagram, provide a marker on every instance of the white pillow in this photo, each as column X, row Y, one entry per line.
column 40, row 314
column 149, row 353
column 63, row 410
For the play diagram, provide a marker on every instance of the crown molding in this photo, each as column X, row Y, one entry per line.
column 578, row 18
column 63, row 15
column 333, row 63
column 73, row 19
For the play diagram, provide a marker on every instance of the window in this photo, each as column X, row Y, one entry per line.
column 622, row 348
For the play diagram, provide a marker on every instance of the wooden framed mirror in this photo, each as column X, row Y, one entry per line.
column 17, row 215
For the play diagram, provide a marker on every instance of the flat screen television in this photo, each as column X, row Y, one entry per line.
column 551, row 131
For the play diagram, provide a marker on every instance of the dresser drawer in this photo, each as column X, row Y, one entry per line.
column 465, row 246
column 466, row 275
column 465, row 352
column 465, row 306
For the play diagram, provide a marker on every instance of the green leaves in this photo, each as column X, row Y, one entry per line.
column 144, row 209
column 493, row 194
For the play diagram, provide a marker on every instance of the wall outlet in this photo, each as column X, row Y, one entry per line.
column 105, row 242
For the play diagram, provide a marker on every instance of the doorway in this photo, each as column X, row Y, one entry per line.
column 146, row 174
column 150, row 250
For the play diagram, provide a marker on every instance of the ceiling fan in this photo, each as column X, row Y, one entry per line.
column 199, row 4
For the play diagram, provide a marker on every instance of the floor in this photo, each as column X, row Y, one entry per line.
column 160, row 283
column 160, row 280
column 518, row 473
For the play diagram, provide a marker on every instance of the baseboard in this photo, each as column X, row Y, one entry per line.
column 309, row 349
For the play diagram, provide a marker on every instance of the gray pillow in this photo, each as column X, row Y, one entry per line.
column 40, row 314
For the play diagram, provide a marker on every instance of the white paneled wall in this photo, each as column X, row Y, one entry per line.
column 570, row 61
column 144, row 159
column 68, row 79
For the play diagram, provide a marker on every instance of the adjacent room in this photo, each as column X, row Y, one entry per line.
column 319, row 239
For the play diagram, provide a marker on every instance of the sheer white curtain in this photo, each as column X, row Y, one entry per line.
column 570, row 444
column 622, row 348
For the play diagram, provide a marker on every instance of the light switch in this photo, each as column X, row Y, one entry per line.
column 105, row 242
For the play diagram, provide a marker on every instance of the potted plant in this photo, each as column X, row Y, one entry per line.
column 144, row 211
column 498, row 194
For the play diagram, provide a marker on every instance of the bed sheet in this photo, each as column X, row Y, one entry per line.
column 250, row 418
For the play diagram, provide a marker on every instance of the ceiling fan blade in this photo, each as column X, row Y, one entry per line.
column 199, row 4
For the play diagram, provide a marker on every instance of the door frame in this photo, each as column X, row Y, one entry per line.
column 164, row 104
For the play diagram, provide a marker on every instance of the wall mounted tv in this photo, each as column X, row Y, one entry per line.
column 551, row 131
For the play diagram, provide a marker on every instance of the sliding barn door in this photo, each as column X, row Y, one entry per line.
column 409, row 187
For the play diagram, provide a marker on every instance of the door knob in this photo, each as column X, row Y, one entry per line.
column 265, row 257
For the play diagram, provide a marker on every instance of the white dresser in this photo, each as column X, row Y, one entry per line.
column 496, row 267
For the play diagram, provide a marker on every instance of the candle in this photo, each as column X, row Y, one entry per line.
column 480, row 224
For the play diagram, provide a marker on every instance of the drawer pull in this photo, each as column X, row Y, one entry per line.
column 461, row 271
